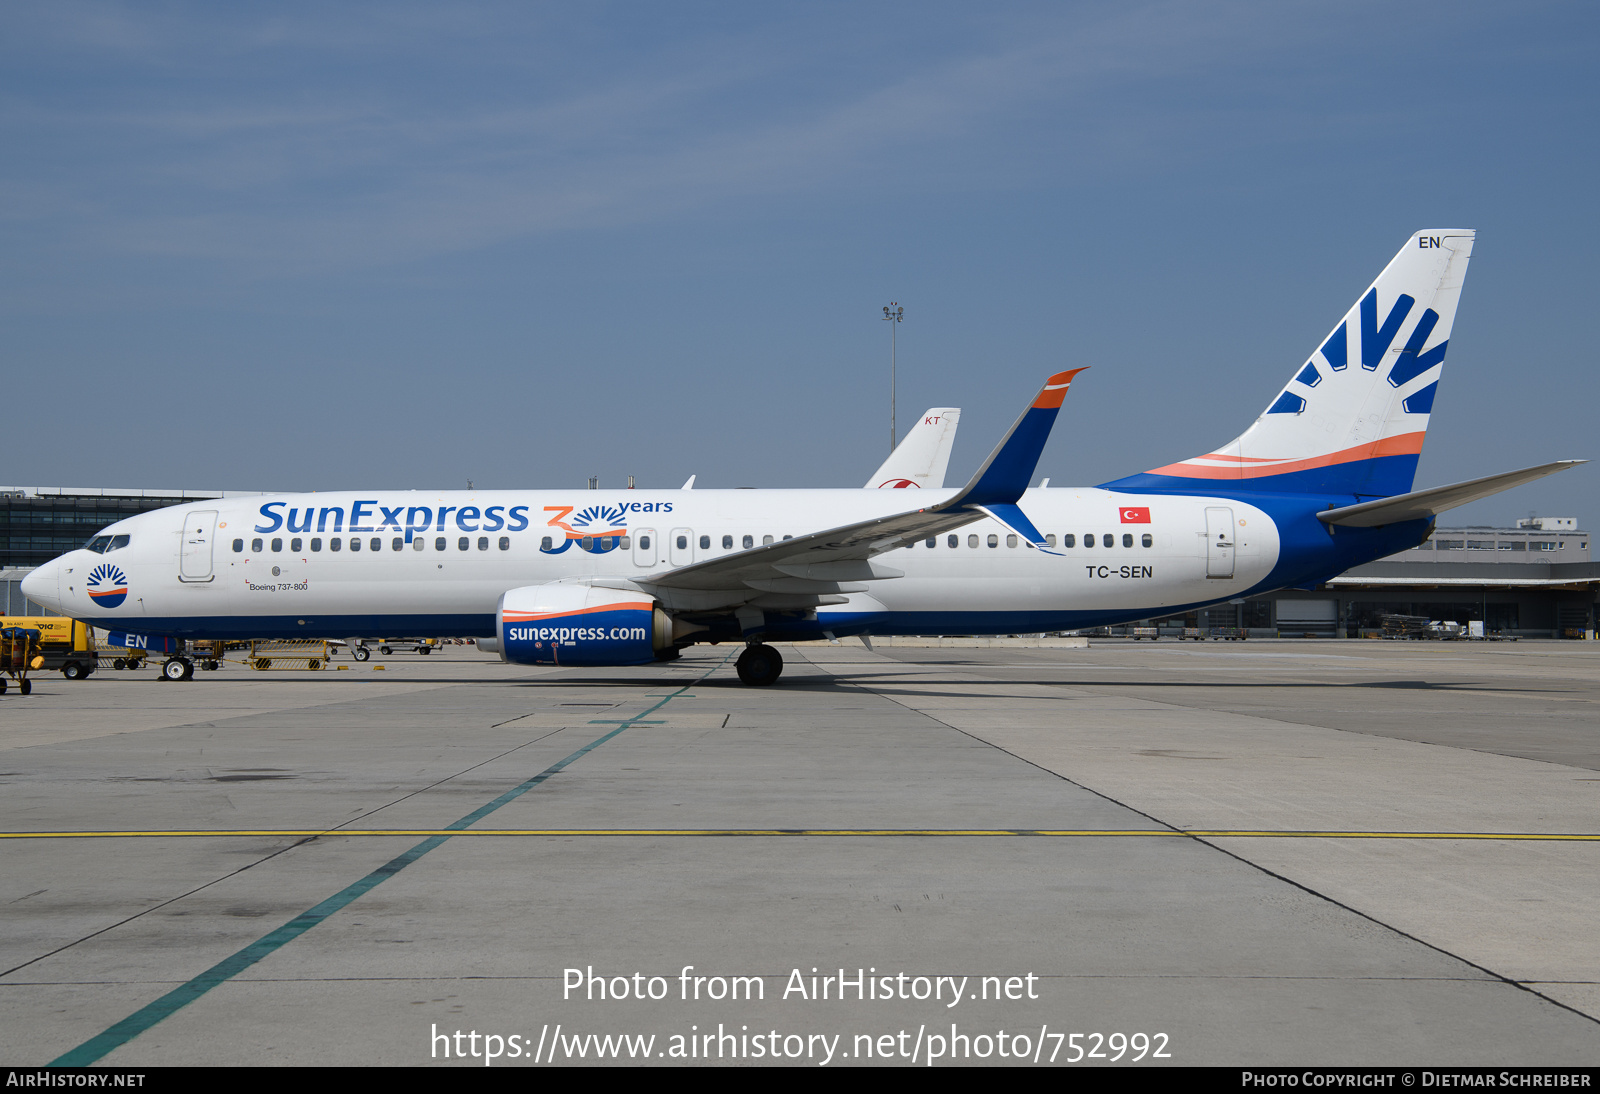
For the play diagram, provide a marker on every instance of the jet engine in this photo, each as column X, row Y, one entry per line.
column 557, row 624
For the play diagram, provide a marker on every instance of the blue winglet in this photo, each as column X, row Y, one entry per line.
column 1006, row 473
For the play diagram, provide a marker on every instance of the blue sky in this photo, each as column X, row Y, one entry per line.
column 316, row 247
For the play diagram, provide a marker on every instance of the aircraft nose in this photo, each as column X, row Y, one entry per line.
column 42, row 586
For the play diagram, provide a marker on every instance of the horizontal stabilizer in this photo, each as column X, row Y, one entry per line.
column 1426, row 504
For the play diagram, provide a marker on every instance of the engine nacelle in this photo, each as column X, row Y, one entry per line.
column 580, row 625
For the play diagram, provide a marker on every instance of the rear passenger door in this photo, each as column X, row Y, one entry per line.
column 1219, row 542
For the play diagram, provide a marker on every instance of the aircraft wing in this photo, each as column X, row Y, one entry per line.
column 1423, row 504
column 843, row 553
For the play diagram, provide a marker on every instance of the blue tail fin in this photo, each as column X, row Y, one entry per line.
column 1353, row 418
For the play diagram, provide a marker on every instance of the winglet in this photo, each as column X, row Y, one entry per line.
column 1055, row 390
column 1006, row 473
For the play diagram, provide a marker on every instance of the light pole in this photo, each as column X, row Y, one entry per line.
column 894, row 316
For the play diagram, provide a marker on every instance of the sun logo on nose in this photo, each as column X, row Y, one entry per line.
column 107, row 585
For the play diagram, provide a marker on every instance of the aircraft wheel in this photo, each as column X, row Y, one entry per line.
column 759, row 666
column 73, row 671
column 26, row 687
column 177, row 668
column 361, row 653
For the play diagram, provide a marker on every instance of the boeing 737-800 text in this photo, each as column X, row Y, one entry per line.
column 1319, row 483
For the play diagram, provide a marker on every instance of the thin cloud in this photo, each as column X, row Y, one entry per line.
column 351, row 177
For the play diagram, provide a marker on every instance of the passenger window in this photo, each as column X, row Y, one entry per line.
column 727, row 543
column 439, row 544
column 355, row 544
column 465, row 544
column 238, row 546
column 1127, row 539
column 1050, row 539
column 483, row 543
column 644, row 543
column 972, row 541
column 586, row 543
column 1069, row 540
column 544, row 544
column 705, row 543
column 377, row 544
column 420, row 543
column 505, row 543
column 994, row 540
column 277, row 545
column 398, row 542
column 1108, row 540
column 788, row 537
column 626, row 543
column 1148, row 540
column 1011, row 541
column 297, row 544
column 765, row 540
column 316, row 546
column 1088, row 539
column 953, row 541
column 334, row 543
column 683, row 543
column 748, row 542
column 934, row 542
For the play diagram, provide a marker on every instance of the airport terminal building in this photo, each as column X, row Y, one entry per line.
column 1536, row 580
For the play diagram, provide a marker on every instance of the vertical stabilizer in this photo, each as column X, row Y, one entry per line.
column 921, row 458
column 1352, row 418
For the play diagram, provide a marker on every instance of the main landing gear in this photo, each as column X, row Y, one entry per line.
column 759, row 665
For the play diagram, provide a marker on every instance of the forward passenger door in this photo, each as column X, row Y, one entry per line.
column 199, row 529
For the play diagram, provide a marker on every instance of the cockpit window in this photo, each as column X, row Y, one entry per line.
column 97, row 544
column 117, row 543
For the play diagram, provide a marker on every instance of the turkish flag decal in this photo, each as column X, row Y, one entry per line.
column 1136, row 516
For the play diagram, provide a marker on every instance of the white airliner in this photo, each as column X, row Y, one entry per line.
column 1319, row 483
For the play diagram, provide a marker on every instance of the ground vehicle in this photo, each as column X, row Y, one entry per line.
column 19, row 652
column 63, row 643
column 421, row 645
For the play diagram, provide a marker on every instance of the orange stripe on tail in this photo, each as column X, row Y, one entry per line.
column 1406, row 444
